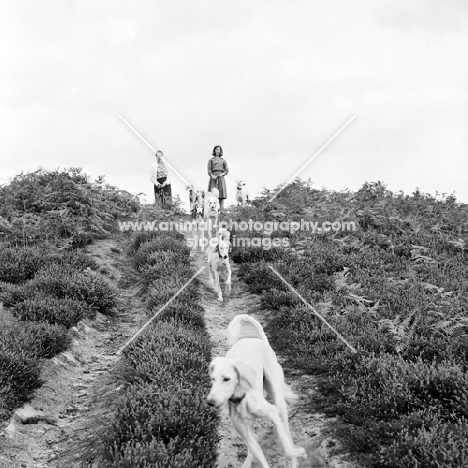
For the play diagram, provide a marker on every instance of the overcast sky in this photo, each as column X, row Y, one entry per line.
column 270, row 81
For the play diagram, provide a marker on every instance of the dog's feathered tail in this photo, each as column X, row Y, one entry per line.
column 245, row 326
column 288, row 394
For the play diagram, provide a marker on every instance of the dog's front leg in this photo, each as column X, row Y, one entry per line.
column 228, row 280
column 255, row 451
column 291, row 451
column 212, row 275
column 218, row 286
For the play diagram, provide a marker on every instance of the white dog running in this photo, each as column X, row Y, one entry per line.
column 239, row 381
column 218, row 254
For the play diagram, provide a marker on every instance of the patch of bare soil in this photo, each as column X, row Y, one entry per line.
column 58, row 428
column 308, row 429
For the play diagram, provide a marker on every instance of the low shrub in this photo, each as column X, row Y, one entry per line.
column 160, row 249
column 65, row 312
column 438, row 445
column 39, row 340
column 18, row 264
column 169, row 426
column 74, row 259
column 19, row 375
column 177, row 352
column 161, row 268
column 65, row 282
column 184, row 314
column 140, row 238
column 11, row 294
column 257, row 254
column 160, row 293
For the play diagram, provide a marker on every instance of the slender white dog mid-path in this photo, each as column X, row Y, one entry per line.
column 307, row 429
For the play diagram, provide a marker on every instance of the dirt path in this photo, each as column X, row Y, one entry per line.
column 307, row 428
column 66, row 412
column 78, row 383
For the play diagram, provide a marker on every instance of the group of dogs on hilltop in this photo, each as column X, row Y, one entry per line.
column 205, row 211
column 248, row 381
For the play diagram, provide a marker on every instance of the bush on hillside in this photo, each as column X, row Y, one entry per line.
column 19, row 376
column 65, row 312
column 64, row 282
column 18, row 264
column 57, row 205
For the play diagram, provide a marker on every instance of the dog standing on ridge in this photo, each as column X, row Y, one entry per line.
column 242, row 194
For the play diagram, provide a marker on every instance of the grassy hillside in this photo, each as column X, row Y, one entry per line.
column 46, row 283
column 397, row 289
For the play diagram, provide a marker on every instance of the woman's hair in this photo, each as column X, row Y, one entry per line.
column 221, row 150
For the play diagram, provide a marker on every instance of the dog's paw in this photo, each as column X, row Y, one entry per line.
column 220, row 298
column 300, row 452
column 297, row 452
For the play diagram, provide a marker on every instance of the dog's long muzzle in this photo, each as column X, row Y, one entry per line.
column 213, row 403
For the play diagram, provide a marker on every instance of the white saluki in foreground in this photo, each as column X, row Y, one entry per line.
column 239, row 381
column 218, row 254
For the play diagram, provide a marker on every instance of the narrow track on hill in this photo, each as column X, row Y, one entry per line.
column 78, row 383
column 67, row 411
column 308, row 429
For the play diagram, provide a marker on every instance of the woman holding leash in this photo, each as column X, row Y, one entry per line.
column 217, row 169
column 161, row 179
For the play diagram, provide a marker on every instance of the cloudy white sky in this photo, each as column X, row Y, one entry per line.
column 269, row 80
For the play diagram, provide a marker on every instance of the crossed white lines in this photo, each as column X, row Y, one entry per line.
column 273, row 269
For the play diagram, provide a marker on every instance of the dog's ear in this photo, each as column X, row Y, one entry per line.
column 245, row 373
column 210, row 368
column 212, row 365
column 237, row 181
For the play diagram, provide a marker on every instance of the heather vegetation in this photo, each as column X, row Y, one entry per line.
column 397, row 289
column 162, row 418
column 47, row 284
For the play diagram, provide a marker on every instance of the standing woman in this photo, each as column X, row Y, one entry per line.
column 217, row 169
column 161, row 179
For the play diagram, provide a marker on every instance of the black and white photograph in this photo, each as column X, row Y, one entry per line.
column 234, row 234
